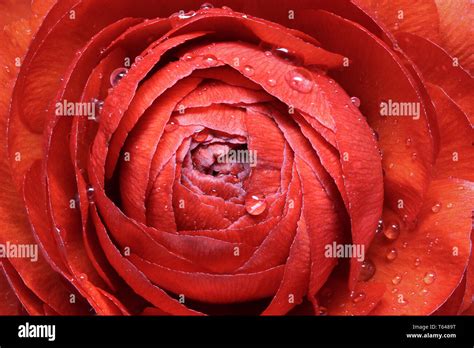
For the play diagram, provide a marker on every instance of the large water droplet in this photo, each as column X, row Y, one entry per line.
column 255, row 204
column 436, row 207
column 429, row 278
column 355, row 101
column 117, row 75
column 367, row 270
column 300, row 80
column 391, row 254
column 392, row 231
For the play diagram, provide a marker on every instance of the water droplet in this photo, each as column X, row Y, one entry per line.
column 138, row 59
column 268, row 54
column 322, row 310
column 396, row 26
column 449, row 205
column 429, row 278
column 82, row 276
column 391, row 165
column 379, row 226
column 424, row 292
column 391, row 254
column 271, row 82
column 117, row 75
column 249, row 70
column 358, row 297
column 436, row 207
column 90, row 194
column 255, row 204
column 417, row 262
column 188, row 57
column 98, row 106
column 355, row 101
column 392, row 231
column 171, row 126
column 394, row 290
column 287, row 55
column 404, row 245
column 300, row 80
column 206, row 6
column 397, row 279
column 180, row 17
column 408, row 142
column 367, row 270
column 201, row 136
column 414, row 156
column 209, row 60
column 227, row 8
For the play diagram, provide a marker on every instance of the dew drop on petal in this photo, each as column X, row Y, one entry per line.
column 417, row 261
column 201, row 136
column 271, row 82
column 255, row 204
column 171, row 126
column 117, row 75
column 391, row 254
column 429, row 278
column 287, row 55
column 379, row 226
column 367, row 270
column 358, row 297
column 188, row 57
column 300, row 80
column 90, row 194
column 206, row 6
column 449, row 205
column 355, row 101
column 249, row 70
column 209, row 60
column 322, row 310
column 392, row 231
column 436, row 207
column 408, row 142
column 397, row 279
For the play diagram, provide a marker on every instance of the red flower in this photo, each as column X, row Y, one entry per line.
column 278, row 157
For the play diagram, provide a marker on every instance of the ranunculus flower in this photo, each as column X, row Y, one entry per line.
column 245, row 157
